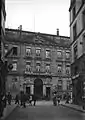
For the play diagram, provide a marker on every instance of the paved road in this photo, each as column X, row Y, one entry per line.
column 45, row 111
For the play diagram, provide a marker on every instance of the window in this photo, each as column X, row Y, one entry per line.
column 15, row 51
column 74, row 32
column 38, row 52
column 59, row 84
column 14, row 66
column 5, row 48
column 74, row 12
column 67, row 55
column 84, row 19
column 59, row 68
column 28, row 51
column 75, row 52
column 28, row 66
column 47, row 68
column 38, row 67
column 47, row 53
column 59, row 54
column 67, row 69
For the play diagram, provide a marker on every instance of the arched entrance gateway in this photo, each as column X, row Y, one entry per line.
column 38, row 88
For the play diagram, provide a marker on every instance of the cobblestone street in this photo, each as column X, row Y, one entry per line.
column 45, row 111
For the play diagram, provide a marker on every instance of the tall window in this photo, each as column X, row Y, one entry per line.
column 67, row 55
column 67, row 69
column 28, row 66
column 28, row 51
column 15, row 52
column 84, row 19
column 59, row 53
column 75, row 52
column 38, row 67
column 14, row 66
column 38, row 52
column 59, row 68
column 47, row 68
column 74, row 32
column 59, row 84
column 47, row 53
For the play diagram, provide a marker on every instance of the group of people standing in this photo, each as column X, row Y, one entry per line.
column 23, row 98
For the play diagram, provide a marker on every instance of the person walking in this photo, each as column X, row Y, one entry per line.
column 17, row 99
column 58, row 100
column 54, row 99
column 34, row 98
column 9, row 98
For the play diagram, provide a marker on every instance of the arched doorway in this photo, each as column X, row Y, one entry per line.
column 38, row 88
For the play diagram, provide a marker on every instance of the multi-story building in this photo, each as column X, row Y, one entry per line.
column 3, row 19
column 41, row 62
column 77, row 36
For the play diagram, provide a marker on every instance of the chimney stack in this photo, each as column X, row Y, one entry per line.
column 57, row 32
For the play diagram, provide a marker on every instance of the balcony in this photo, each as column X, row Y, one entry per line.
column 28, row 57
column 38, row 57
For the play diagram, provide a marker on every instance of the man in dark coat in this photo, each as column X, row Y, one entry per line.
column 34, row 98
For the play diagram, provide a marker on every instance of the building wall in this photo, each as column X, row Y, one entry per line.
column 77, row 64
column 54, row 61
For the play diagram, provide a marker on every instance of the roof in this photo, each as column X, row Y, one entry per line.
column 15, row 35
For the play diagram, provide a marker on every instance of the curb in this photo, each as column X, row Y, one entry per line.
column 73, row 108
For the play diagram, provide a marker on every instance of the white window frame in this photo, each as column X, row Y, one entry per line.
column 14, row 66
column 59, row 51
column 48, row 53
column 28, row 51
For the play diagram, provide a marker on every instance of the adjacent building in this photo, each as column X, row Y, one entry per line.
column 41, row 62
column 3, row 19
column 77, row 36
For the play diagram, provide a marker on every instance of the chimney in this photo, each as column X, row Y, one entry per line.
column 57, row 32
column 20, row 27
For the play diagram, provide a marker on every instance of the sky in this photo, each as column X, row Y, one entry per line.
column 43, row 16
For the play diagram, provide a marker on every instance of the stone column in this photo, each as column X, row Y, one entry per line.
column 32, row 89
column 44, row 90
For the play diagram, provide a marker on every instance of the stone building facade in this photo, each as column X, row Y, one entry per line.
column 77, row 36
column 41, row 63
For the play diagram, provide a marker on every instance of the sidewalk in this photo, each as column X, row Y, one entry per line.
column 8, row 110
column 72, row 106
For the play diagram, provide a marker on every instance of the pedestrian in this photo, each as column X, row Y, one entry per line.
column 54, row 99
column 30, row 100
column 58, row 100
column 17, row 99
column 34, row 98
column 9, row 98
column 24, row 98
